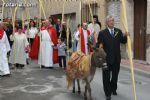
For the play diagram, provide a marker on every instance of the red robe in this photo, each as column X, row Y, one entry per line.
column 53, row 35
column 82, row 40
column 35, row 48
column 1, row 33
column 36, row 44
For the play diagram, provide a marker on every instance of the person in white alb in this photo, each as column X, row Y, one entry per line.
column 94, row 29
column 82, row 36
column 4, row 48
column 18, row 52
column 46, row 48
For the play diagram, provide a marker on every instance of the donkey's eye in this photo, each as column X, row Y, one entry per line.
column 100, row 58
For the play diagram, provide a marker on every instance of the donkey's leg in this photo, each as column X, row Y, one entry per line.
column 73, row 91
column 79, row 89
column 85, row 92
column 89, row 90
column 86, row 89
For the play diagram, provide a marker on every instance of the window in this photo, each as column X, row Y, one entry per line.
column 87, row 14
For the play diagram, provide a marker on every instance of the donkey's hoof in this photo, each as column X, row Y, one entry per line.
column 79, row 92
column 73, row 91
column 85, row 98
column 90, row 99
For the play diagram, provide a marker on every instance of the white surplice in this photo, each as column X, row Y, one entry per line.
column 46, row 50
column 18, row 52
column 32, row 32
column 94, row 28
column 85, row 33
column 4, row 48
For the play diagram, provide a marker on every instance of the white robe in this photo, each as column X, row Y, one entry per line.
column 32, row 32
column 46, row 50
column 18, row 52
column 85, row 33
column 94, row 28
column 4, row 48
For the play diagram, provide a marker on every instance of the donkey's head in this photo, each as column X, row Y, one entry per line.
column 98, row 57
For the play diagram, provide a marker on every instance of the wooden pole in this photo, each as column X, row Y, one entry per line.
column 14, row 20
column 23, row 21
column 68, row 32
column 3, row 10
column 80, row 24
column 40, row 23
column 91, row 13
column 41, row 5
column 28, row 18
column 62, row 19
column 125, row 23
column 11, row 13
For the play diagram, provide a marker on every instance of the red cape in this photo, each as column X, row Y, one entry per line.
column 36, row 45
column 1, row 33
column 82, row 40
column 53, row 35
column 35, row 48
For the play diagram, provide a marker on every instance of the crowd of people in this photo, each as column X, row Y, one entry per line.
column 42, row 41
column 48, row 44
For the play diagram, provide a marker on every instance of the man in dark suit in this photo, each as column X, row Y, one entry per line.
column 111, row 38
column 58, row 27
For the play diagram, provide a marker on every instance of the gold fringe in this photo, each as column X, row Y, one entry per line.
column 78, row 67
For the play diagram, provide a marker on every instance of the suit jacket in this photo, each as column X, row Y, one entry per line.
column 8, row 33
column 111, row 44
column 58, row 29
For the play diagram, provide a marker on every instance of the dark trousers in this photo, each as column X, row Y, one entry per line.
column 19, row 65
column 62, row 58
column 110, row 78
column 30, row 41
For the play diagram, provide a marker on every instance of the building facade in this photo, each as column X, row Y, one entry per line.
column 137, row 12
column 23, row 6
column 138, row 22
column 54, row 8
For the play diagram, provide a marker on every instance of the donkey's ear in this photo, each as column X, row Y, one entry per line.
column 95, row 49
column 101, row 45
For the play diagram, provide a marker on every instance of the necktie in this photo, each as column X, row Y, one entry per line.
column 112, row 32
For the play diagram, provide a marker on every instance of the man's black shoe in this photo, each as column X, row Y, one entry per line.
column 6, row 75
column 108, row 98
column 42, row 66
column 50, row 67
column 114, row 93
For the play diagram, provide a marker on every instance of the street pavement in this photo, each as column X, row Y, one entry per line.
column 33, row 83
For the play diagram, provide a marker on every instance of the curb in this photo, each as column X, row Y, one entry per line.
column 136, row 71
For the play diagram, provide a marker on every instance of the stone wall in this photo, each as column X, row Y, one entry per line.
column 53, row 7
column 114, row 9
column 148, row 33
column 102, row 12
column 8, row 11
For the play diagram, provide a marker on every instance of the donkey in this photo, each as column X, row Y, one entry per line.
column 96, row 59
